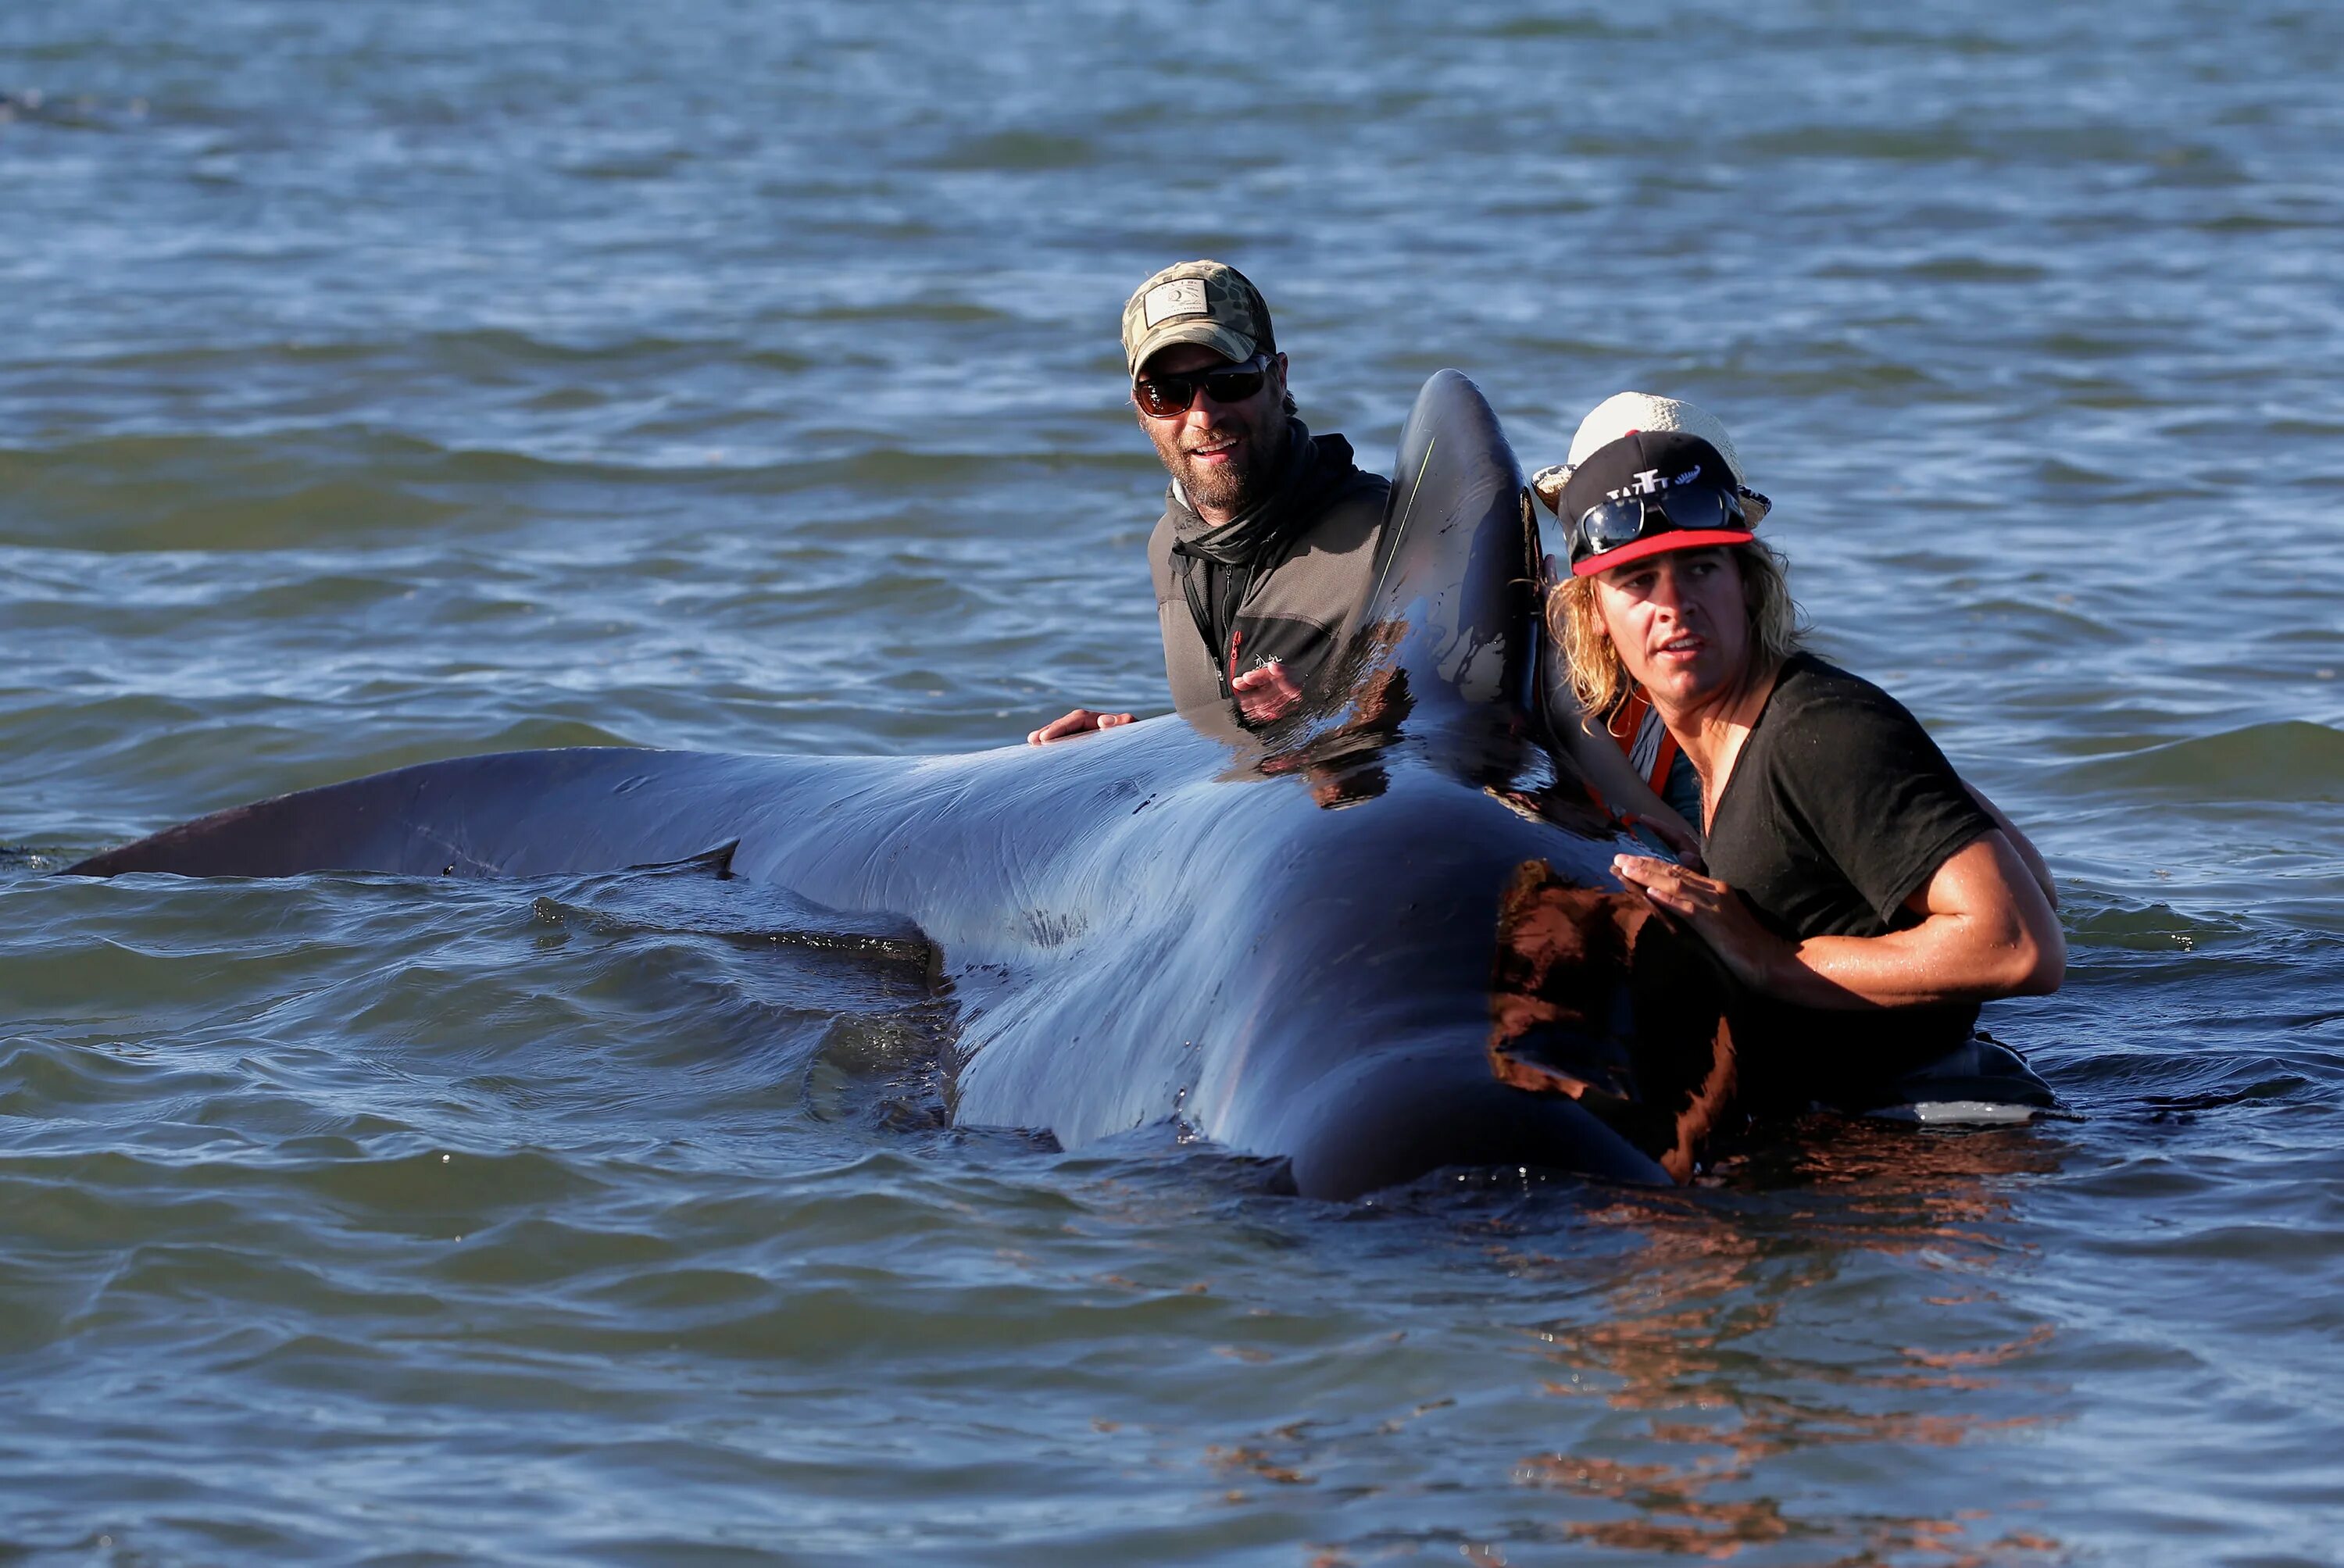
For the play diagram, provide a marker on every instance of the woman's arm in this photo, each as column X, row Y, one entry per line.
column 1987, row 931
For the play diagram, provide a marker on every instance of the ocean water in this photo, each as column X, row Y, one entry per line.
column 391, row 382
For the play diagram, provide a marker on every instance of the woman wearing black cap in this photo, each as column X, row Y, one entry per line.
column 1853, row 881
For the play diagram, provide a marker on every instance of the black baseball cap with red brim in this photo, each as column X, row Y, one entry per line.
column 1649, row 493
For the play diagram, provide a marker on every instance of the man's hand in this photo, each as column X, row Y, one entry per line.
column 1754, row 954
column 1265, row 693
column 1081, row 722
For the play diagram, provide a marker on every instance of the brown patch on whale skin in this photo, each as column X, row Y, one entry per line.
column 1593, row 996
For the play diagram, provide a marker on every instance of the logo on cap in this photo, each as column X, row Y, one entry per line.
column 1181, row 297
column 1648, row 481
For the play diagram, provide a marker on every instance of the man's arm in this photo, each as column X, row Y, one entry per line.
column 1602, row 765
column 2035, row 864
column 1624, row 793
column 1987, row 931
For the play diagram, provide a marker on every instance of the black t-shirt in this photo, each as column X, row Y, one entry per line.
column 1839, row 808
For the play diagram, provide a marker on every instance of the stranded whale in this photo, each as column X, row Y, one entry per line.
column 1377, row 938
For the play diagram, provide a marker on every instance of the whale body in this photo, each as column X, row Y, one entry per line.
column 1372, row 940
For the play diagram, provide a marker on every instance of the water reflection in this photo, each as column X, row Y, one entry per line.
column 1739, row 1371
column 1337, row 742
column 1713, row 1335
column 1343, row 763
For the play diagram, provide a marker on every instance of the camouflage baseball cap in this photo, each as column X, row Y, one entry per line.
column 1206, row 302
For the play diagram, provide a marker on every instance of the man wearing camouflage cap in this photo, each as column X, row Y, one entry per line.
column 1264, row 557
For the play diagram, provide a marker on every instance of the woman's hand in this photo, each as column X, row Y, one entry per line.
column 1754, row 954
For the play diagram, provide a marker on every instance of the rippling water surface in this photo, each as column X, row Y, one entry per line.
column 389, row 383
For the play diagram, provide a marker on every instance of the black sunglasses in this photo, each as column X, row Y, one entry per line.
column 1164, row 396
column 1687, row 508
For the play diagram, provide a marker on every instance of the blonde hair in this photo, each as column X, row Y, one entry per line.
column 1600, row 679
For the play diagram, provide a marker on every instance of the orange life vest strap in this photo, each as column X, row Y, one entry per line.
column 1627, row 727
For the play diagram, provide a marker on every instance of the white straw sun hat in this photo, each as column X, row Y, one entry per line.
column 1625, row 413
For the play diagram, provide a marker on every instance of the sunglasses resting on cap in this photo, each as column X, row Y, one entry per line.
column 1649, row 493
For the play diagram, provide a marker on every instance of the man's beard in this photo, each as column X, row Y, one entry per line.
column 1234, row 488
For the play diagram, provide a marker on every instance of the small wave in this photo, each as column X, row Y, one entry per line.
column 2058, row 625
column 69, row 112
column 1975, row 269
column 945, row 312
column 1019, row 151
column 2251, row 222
column 646, row 166
column 1526, row 27
column 2291, row 761
column 1919, row 143
column 1942, row 44
column 2148, row 928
